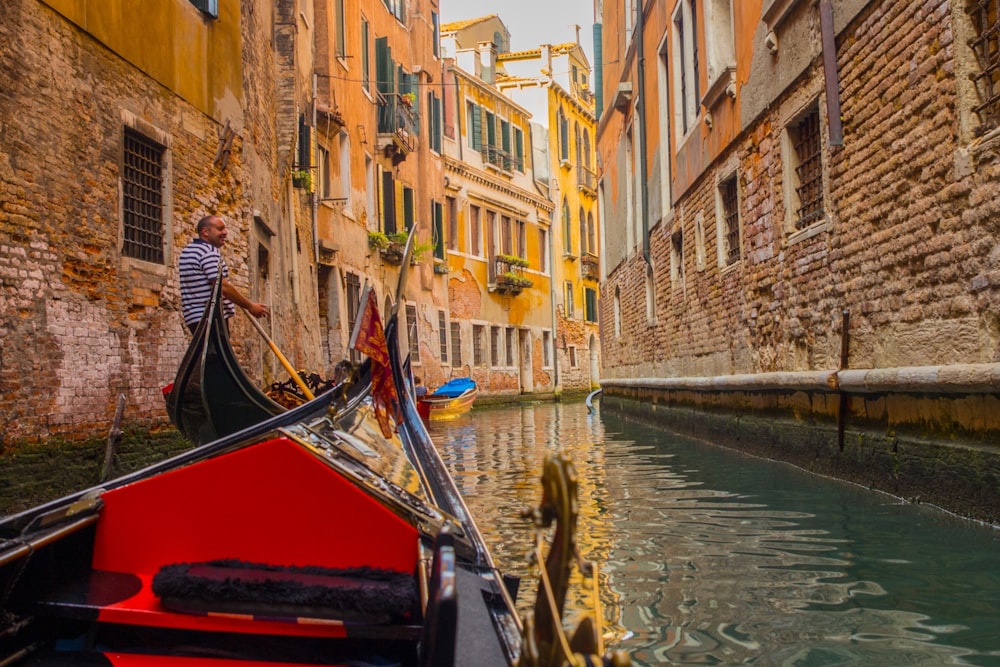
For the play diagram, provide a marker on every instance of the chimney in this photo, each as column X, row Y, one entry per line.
column 486, row 64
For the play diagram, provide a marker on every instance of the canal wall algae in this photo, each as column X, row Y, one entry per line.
column 927, row 434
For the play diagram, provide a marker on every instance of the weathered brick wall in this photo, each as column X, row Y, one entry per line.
column 911, row 252
column 78, row 323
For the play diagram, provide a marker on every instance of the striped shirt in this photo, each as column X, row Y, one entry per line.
column 199, row 267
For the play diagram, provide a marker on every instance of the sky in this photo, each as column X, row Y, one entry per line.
column 532, row 22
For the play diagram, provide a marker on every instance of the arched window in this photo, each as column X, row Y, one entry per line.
column 591, row 234
column 567, row 228
column 584, row 248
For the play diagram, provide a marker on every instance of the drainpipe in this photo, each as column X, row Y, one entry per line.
column 640, row 110
column 314, row 199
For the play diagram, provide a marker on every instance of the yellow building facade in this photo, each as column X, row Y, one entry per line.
column 554, row 82
column 501, row 316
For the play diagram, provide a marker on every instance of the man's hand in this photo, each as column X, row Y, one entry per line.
column 258, row 310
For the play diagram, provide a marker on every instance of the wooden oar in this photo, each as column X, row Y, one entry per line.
column 281, row 357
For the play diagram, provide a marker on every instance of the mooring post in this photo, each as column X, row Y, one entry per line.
column 114, row 436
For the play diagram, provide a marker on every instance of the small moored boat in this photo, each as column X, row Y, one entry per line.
column 452, row 399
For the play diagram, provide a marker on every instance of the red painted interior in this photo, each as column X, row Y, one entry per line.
column 272, row 503
column 143, row 660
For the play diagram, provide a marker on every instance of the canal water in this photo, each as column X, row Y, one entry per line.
column 711, row 557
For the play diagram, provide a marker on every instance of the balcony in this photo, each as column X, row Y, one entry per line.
column 586, row 180
column 503, row 160
column 397, row 126
column 590, row 267
column 509, row 272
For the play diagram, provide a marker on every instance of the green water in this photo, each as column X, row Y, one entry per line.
column 709, row 556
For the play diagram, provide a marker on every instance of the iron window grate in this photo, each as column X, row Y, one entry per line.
column 986, row 21
column 808, row 148
column 142, row 200
column 731, row 216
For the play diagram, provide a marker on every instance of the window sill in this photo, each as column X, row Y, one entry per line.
column 799, row 235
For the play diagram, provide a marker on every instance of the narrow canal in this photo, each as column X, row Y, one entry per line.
column 709, row 556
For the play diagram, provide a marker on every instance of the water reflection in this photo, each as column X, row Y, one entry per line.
column 712, row 557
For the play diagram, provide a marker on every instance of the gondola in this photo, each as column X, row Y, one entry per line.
column 312, row 537
column 452, row 399
column 211, row 396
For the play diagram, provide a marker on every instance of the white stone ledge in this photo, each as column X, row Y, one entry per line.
column 955, row 379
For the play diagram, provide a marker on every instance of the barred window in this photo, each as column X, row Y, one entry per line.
column 495, row 348
column 731, row 219
column 478, row 356
column 809, row 170
column 986, row 23
column 511, row 341
column 443, row 336
column 413, row 337
column 546, row 348
column 456, row 344
column 142, row 200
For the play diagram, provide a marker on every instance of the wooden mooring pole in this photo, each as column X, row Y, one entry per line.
column 114, row 437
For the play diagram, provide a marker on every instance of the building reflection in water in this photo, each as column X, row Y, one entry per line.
column 712, row 557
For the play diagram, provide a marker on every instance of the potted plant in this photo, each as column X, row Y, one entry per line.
column 513, row 260
column 302, row 178
column 378, row 240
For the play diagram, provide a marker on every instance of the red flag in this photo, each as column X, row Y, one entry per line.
column 370, row 341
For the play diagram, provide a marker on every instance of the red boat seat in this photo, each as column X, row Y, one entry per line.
column 273, row 503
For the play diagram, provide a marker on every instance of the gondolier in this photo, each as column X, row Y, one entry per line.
column 199, row 266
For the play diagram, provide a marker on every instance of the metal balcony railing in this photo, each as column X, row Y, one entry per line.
column 505, row 160
column 586, row 179
column 396, row 118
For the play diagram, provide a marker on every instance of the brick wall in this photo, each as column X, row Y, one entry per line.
column 79, row 323
column 910, row 251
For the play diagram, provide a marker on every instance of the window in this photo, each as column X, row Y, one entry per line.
column 567, row 229
column 323, row 172
column 456, row 344
column 344, row 177
column 142, row 198
column 388, row 203
column 631, row 8
column 511, row 345
column 590, row 304
column 474, row 126
column 519, row 149
column 437, row 216
column 686, row 74
column 443, row 336
column 436, row 23
column 546, row 349
column 571, row 351
column 543, row 250
column 413, row 333
column 506, row 242
column 985, row 16
column 591, row 234
column 568, row 296
column 478, row 356
column 521, row 234
column 452, row 206
column 729, row 231
column 396, row 8
column 677, row 258
column 563, row 136
column 495, row 348
column 806, row 155
column 341, row 45
column 209, row 7
column 407, row 208
column 353, row 289
column 434, row 122
column 699, row 240
column 582, row 219
column 720, row 54
column 366, row 65
column 475, row 231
